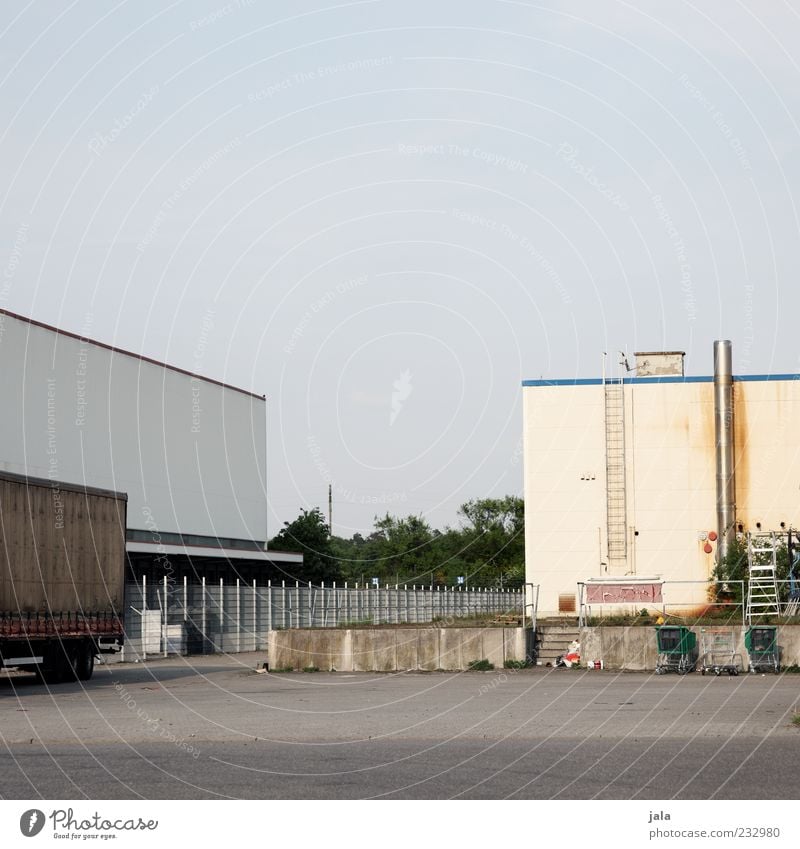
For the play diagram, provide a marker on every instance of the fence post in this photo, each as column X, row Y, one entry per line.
column 203, row 618
column 144, row 618
column 238, row 616
column 255, row 617
column 164, row 621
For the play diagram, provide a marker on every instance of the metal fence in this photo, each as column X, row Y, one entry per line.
column 698, row 596
column 169, row 618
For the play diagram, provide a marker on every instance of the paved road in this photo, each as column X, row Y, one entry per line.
column 211, row 727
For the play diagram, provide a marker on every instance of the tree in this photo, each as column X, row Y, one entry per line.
column 494, row 540
column 310, row 535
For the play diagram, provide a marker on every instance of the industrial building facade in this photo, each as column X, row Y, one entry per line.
column 190, row 452
column 627, row 478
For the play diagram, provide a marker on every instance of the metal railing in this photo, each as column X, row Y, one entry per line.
column 676, row 596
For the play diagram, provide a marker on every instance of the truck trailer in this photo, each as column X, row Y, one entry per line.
column 62, row 576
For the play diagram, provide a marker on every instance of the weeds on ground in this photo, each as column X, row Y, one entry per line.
column 517, row 664
column 480, row 665
column 310, row 669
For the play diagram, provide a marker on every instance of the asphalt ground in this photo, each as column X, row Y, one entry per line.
column 211, row 727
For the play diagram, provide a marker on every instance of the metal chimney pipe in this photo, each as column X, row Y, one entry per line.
column 724, row 434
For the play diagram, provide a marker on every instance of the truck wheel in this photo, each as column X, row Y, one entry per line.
column 85, row 666
column 49, row 674
column 66, row 662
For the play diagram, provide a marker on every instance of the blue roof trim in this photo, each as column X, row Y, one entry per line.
column 597, row 381
column 748, row 377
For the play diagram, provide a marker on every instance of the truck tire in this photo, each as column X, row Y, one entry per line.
column 85, row 665
column 60, row 664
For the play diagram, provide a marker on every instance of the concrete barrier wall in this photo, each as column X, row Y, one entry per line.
column 634, row 648
column 394, row 649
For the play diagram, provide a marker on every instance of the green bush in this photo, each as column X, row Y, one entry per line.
column 480, row 665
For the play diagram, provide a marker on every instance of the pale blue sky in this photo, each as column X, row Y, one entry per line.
column 466, row 193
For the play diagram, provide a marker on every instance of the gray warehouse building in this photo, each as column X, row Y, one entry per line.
column 190, row 452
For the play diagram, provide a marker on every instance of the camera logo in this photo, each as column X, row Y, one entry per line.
column 31, row 822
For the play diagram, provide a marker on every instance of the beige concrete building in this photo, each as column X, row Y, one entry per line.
column 622, row 482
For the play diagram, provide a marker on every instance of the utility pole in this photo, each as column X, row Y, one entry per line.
column 330, row 509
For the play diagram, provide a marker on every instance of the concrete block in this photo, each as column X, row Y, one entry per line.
column 591, row 640
column 789, row 644
column 450, row 654
column 325, row 649
column 374, row 650
column 493, row 646
column 471, row 645
column 428, row 648
column 635, row 641
column 406, row 647
column 613, row 647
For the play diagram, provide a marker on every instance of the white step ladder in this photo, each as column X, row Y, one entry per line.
column 762, row 565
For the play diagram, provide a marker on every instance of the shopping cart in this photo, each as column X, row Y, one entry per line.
column 719, row 652
column 677, row 649
column 762, row 648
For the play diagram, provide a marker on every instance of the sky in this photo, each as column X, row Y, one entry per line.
column 385, row 215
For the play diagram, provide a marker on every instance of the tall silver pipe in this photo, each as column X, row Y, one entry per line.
column 724, row 433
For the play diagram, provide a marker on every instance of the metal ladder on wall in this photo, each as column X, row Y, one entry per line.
column 762, row 566
column 616, row 511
